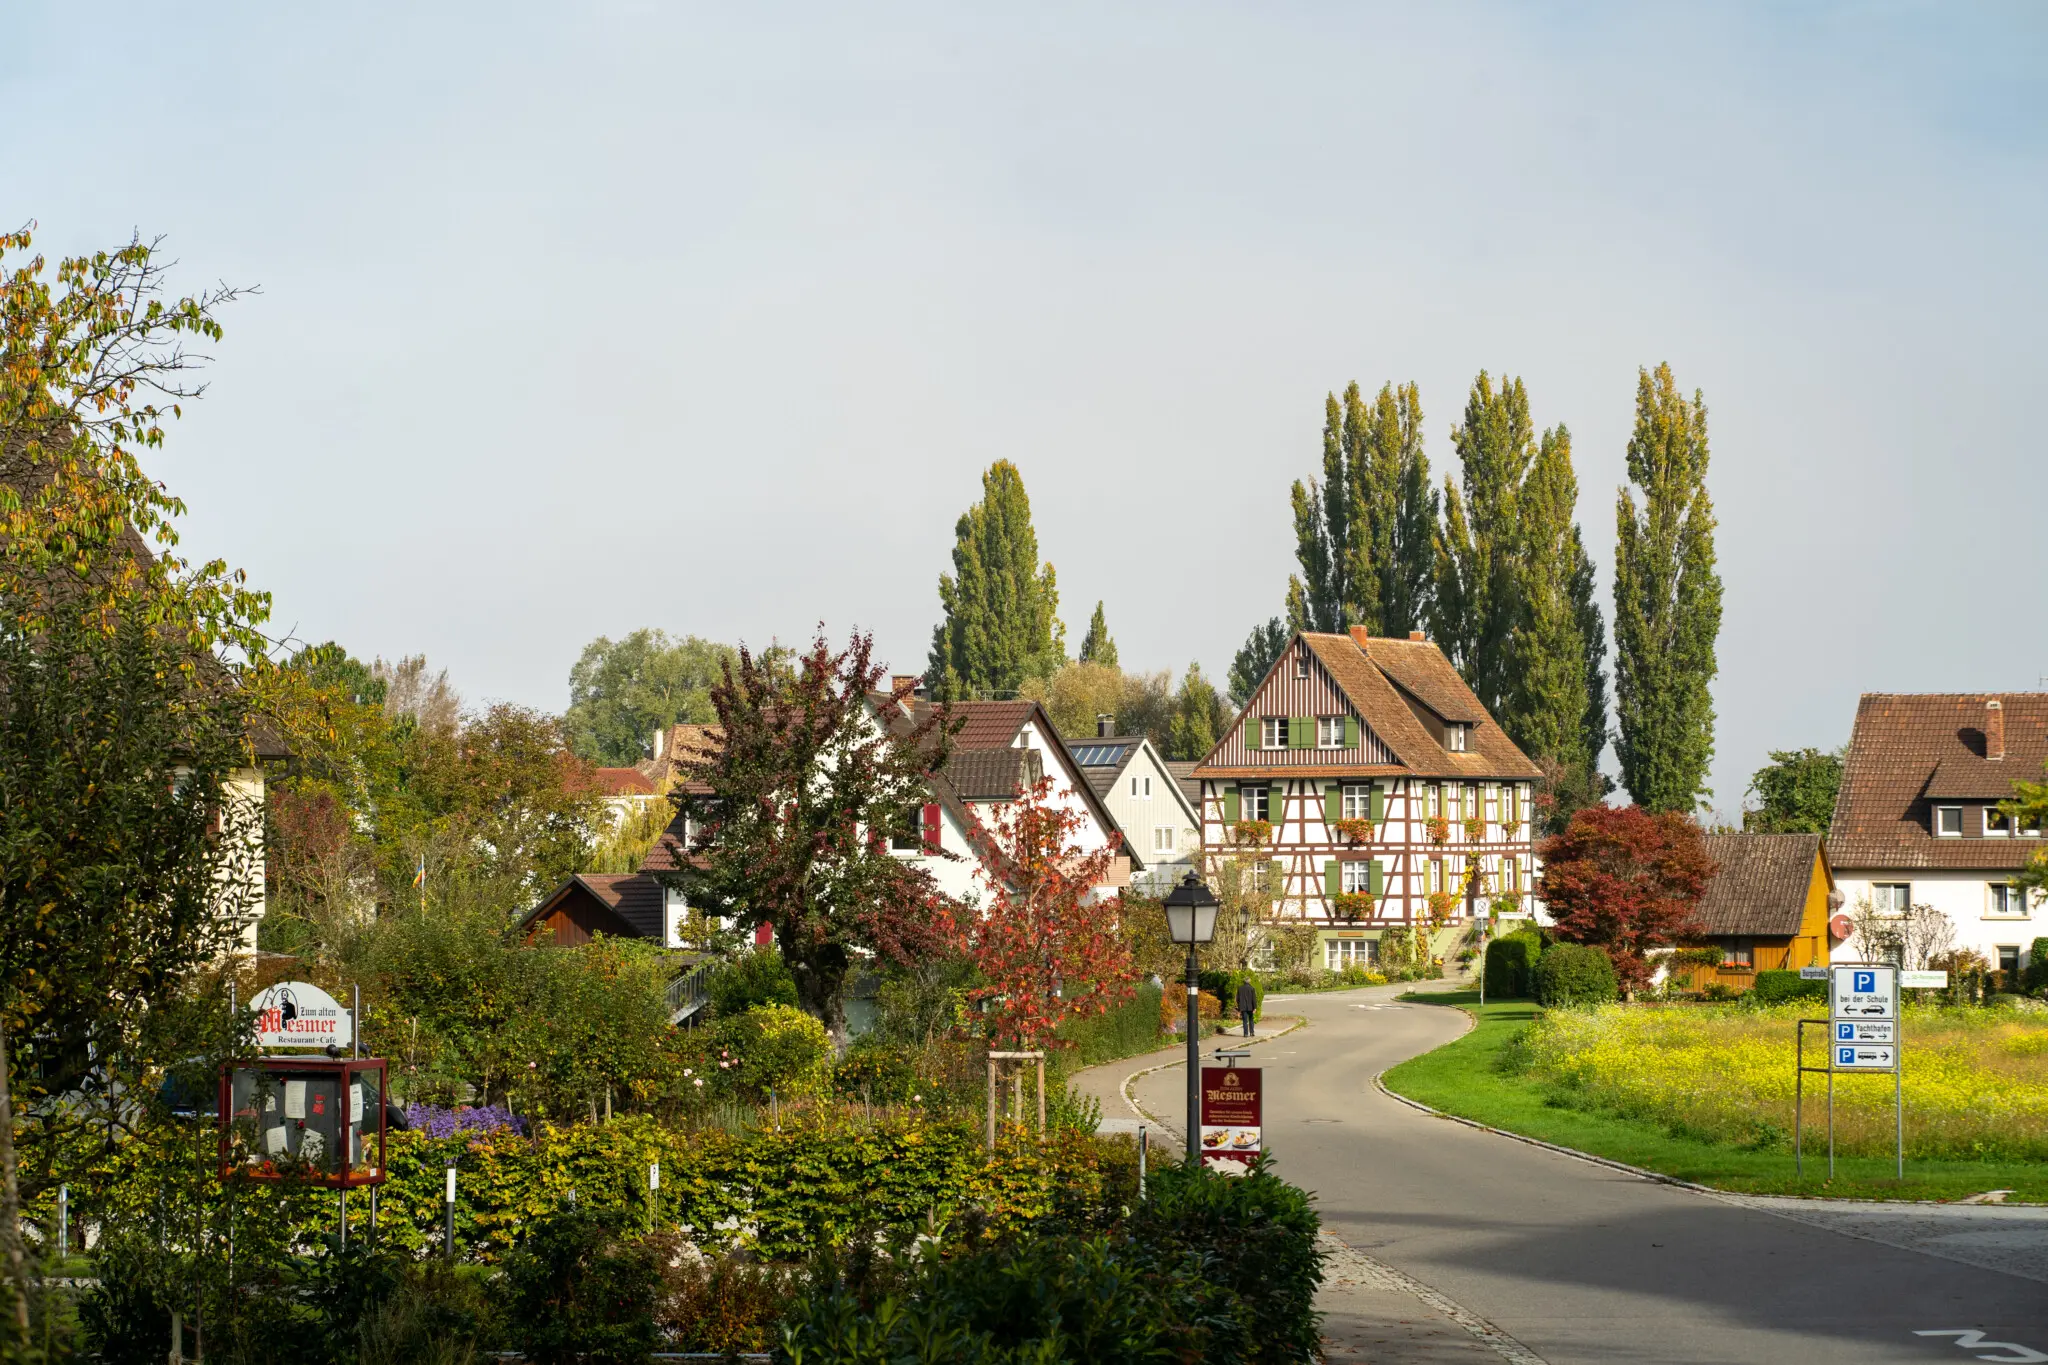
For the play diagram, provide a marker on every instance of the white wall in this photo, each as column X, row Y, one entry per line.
column 1965, row 897
column 1165, row 807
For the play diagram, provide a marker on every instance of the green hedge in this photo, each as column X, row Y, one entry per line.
column 1223, row 985
column 1129, row 1030
column 1575, row 974
column 2035, row 969
column 1511, row 964
column 1778, row 987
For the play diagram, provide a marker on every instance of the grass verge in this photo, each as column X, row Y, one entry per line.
column 1463, row 1078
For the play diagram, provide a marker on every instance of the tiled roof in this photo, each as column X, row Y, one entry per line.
column 986, row 724
column 993, row 774
column 622, row 782
column 633, row 897
column 1420, row 668
column 1190, row 785
column 1909, row 750
column 1760, row 885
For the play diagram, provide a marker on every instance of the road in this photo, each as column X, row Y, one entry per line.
column 1562, row 1260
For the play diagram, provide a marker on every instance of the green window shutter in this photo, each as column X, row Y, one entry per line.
column 1333, row 803
column 1333, row 878
column 1376, row 880
column 1351, row 732
column 1379, row 801
column 1251, row 732
column 1301, row 732
column 1230, row 804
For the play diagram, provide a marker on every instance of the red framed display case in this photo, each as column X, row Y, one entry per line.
column 312, row 1119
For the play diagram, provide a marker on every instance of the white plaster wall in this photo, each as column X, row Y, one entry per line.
column 1965, row 897
column 1166, row 807
column 245, row 791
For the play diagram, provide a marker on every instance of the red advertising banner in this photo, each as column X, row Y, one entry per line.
column 1232, row 1116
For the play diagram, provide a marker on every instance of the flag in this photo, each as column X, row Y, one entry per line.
column 419, row 878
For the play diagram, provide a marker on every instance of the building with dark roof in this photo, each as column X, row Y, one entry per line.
column 1148, row 801
column 1767, row 908
column 1917, row 820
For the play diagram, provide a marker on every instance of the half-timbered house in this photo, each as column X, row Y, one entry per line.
column 1367, row 788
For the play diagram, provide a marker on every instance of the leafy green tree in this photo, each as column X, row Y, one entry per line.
column 1483, row 541
column 1407, row 575
column 1001, row 606
column 1667, row 601
column 1199, row 715
column 1363, row 532
column 1795, row 793
column 1255, row 658
column 1096, row 646
column 622, row 691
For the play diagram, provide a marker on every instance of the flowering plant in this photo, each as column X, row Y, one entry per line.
column 1357, row 831
column 437, row 1122
column 1475, row 828
column 1253, row 831
column 1441, row 903
column 1438, row 829
column 1352, row 905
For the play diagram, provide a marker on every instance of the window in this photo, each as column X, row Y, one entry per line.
column 1436, row 875
column 1251, row 803
column 1435, row 799
column 1355, row 876
column 1148, row 789
column 2008, row 957
column 1509, row 875
column 1454, row 737
column 1357, row 801
column 1738, row 953
column 1141, row 787
column 1890, row 898
column 1273, row 732
column 2029, row 826
column 1329, row 732
column 1997, row 824
column 1263, row 879
column 1339, row 953
column 1492, row 803
column 1948, row 821
column 1301, row 664
column 2007, row 899
column 1162, row 839
column 1454, row 801
column 1510, row 805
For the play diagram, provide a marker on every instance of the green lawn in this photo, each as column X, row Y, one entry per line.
column 1461, row 1078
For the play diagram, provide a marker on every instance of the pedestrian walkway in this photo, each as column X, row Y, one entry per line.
column 1106, row 1082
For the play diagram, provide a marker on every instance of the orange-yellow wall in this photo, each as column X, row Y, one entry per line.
column 1808, row 949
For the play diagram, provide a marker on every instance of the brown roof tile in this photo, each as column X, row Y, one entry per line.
column 1419, row 668
column 1760, row 885
column 1190, row 785
column 1909, row 750
column 993, row 774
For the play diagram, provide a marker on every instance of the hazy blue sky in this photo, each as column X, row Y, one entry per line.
column 709, row 318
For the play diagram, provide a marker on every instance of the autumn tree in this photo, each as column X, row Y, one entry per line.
column 1045, row 948
column 1626, row 880
column 1001, row 604
column 813, row 774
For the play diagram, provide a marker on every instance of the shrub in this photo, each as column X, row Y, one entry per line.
column 577, row 1292
column 1574, row 974
column 2035, row 969
column 1173, row 1009
column 773, row 1047
column 750, row 981
column 1223, row 985
column 1511, row 963
column 1780, row 987
column 720, row 1303
column 1125, row 1031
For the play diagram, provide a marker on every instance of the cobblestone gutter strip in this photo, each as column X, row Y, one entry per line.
column 1372, row 1273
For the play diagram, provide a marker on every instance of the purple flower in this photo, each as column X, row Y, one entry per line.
column 437, row 1122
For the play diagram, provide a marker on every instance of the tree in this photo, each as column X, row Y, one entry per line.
column 1482, row 541
column 1255, row 659
column 801, row 790
column 1911, row 938
column 1045, row 949
column 1199, row 716
column 1001, row 621
column 1096, row 646
column 2028, row 809
column 429, row 700
column 621, row 692
column 1626, row 880
column 1795, row 793
column 1363, row 532
column 1667, row 601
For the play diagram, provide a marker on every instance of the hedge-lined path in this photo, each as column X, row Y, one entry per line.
column 1571, row 1261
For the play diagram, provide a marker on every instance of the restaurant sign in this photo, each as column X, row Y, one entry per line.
column 1232, row 1115
column 298, row 1014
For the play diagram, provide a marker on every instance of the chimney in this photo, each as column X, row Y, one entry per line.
column 1105, row 726
column 1994, row 729
column 1359, row 635
column 1417, row 635
column 904, row 686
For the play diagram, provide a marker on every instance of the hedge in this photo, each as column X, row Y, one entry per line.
column 1223, row 985
column 1575, row 974
column 1511, row 964
column 1778, row 987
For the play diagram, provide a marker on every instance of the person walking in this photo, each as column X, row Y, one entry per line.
column 1247, row 1004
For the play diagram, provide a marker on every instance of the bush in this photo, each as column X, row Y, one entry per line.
column 1173, row 1009
column 2034, row 971
column 1224, row 986
column 1511, row 964
column 750, row 981
column 577, row 1292
column 1125, row 1031
column 772, row 1047
column 1574, row 974
column 1781, row 987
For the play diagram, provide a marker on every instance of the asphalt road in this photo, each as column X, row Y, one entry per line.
column 1579, row 1262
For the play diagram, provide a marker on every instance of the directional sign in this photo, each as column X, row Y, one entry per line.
column 1861, row 1057
column 1864, row 993
column 1924, row 980
column 1849, row 1031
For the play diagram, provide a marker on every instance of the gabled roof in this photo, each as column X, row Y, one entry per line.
column 992, row 774
column 1183, row 773
column 1760, row 885
column 1105, row 759
column 1910, row 750
column 633, row 899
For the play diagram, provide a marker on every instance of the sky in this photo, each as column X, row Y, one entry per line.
column 578, row 319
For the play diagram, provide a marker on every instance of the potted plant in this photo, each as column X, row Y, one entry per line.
column 1357, row 831
column 1352, row 905
column 1441, row 903
column 1253, row 831
column 1438, row 829
column 1475, row 828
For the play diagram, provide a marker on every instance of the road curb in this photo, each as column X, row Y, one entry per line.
column 1124, row 1086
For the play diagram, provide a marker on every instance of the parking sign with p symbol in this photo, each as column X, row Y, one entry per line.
column 1866, row 982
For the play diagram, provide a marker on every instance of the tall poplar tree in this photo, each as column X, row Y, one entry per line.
column 1667, row 601
column 1096, row 646
column 1496, row 445
column 1363, row 532
column 1001, row 606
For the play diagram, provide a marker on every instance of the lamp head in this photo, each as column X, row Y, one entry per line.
column 1190, row 911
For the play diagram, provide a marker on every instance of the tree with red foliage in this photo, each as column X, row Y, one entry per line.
column 1046, row 949
column 1625, row 880
column 812, row 769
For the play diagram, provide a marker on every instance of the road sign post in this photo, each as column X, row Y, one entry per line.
column 1864, row 1035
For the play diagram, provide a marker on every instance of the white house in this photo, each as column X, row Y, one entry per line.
column 1148, row 801
column 1916, row 821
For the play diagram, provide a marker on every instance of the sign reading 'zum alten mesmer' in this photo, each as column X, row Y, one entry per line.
column 1232, row 1109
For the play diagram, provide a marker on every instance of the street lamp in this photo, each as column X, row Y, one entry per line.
column 1191, row 919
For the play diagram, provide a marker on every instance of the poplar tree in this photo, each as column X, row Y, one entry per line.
column 1256, row 656
column 1496, row 446
column 1096, row 646
column 1407, row 555
column 1667, row 601
column 1363, row 532
column 1001, row 624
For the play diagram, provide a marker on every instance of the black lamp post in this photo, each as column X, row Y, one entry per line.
column 1191, row 919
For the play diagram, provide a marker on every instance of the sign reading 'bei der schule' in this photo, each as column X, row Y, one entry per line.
column 1232, row 1111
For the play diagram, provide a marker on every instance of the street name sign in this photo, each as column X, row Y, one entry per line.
column 1813, row 973
column 1850, row 1031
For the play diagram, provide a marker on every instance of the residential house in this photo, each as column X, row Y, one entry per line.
column 1917, row 819
column 1147, row 800
column 622, row 905
column 1767, row 908
column 1368, row 788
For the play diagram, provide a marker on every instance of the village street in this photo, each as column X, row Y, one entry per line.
column 1458, row 1244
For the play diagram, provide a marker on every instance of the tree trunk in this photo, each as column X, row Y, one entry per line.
column 10, row 1199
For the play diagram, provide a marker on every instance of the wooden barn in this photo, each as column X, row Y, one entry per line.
column 623, row 905
column 1767, row 908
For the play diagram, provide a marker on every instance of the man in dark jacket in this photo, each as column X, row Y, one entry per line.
column 1247, row 1004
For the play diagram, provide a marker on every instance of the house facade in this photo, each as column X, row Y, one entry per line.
column 1916, row 821
column 1148, row 801
column 1768, row 908
column 1367, row 788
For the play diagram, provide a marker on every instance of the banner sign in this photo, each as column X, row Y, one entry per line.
column 299, row 1014
column 1232, row 1115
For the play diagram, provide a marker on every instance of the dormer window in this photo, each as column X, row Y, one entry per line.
column 1454, row 737
column 1997, row 824
column 1948, row 822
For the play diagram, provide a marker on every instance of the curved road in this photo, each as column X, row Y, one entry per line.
column 1569, row 1260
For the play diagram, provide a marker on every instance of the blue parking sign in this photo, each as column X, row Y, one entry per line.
column 1845, row 1033
column 1845, row 1056
column 1866, row 982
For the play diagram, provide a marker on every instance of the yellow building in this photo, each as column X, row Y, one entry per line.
column 1767, row 908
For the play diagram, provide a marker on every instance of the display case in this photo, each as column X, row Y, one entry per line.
column 304, row 1118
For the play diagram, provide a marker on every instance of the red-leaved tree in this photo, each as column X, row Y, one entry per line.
column 1626, row 881
column 1046, row 949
